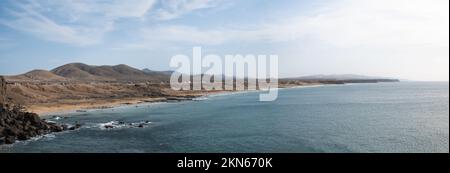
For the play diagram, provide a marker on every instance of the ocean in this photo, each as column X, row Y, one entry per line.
column 411, row 117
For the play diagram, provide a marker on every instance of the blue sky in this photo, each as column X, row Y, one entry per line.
column 405, row 39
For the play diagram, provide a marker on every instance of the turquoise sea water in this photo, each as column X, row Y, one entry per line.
column 384, row 117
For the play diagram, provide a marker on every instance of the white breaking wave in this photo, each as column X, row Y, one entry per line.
column 200, row 98
column 119, row 125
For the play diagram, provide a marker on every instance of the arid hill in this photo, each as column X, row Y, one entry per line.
column 78, row 72
column 77, row 86
column 37, row 75
column 118, row 73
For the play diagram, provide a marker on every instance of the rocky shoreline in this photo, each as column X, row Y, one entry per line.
column 18, row 125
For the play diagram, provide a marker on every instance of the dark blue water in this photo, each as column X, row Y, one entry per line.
column 385, row 117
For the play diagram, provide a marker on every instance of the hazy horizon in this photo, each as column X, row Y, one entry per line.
column 398, row 39
column 329, row 75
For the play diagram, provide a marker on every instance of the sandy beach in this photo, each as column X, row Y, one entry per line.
column 68, row 106
column 53, row 108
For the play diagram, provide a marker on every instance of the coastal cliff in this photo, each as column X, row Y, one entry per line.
column 17, row 124
column 2, row 90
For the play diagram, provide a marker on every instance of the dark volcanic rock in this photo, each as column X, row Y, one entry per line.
column 16, row 124
column 109, row 126
column 10, row 139
column 76, row 126
column 2, row 90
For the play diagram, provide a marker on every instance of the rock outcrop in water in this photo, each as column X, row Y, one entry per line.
column 16, row 124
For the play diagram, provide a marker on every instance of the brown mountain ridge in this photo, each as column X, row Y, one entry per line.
column 90, row 73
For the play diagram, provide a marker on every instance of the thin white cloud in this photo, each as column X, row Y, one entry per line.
column 184, row 34
column 79, row 22
column 85, row 22
column 413, row 33
column 382, row 37
column 344, row 23
column 33, row 22
column 171, row 9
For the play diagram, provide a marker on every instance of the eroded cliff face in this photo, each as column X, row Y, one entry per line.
column 17, row 124
column 2, row 90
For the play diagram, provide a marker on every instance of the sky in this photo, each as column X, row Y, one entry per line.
column 405, row 39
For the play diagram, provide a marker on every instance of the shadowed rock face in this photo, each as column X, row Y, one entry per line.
column 19, row 125
column 16, row 124
column 2, row 90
